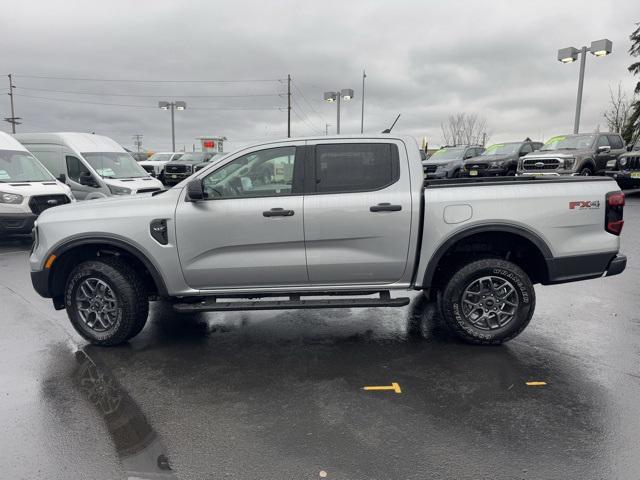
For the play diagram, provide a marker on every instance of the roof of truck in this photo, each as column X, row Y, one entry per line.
column 7, row 142
column 82, row 142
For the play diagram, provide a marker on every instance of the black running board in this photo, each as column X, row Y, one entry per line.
column 220, row 305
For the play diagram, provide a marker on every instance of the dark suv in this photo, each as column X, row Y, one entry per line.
column 581, row 154
column 447, row 162
column 627, row 169
column 189, row 163
column 499, row 159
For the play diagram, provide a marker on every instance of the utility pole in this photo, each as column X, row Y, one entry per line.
column 137, row 141
column 289, row 106
column 13, row 120
column 364, row 75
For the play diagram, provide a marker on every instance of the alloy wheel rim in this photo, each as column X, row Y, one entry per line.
column 490, row 302
column 97, row 304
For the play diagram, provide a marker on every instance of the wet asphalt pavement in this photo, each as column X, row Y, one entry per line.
column 278, row 395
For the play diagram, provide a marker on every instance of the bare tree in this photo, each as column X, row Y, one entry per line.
column 465, row 128
column 619, row 109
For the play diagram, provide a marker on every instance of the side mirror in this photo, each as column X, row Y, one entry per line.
column 604, row 149
column 195, row 191
column 87, row 180
column 62, row 178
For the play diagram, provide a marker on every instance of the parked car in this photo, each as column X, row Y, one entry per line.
column 27, row 188
column 448, row 161
column 344, row 218
column 177, row 170
column 156, row 162
column 499, row 159
column 93, row 166
column 626, row 170
column 582, row 154
column 139, row 156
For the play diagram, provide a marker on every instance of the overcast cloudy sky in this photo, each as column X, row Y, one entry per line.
column 424, row 59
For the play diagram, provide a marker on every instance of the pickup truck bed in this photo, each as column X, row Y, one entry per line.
column 328, row 216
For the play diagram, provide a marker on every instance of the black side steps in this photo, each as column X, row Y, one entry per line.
column 220, row 304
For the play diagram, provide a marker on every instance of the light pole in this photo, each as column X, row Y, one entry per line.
column 178, row 105
column 599, row 48
column 346, row 93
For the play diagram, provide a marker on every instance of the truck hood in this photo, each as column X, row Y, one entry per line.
column 31, row 189
column 134, row 184
column 484, row 159
column 147, row 163
column 440, row 162
column 106, row 208
column 562, row 153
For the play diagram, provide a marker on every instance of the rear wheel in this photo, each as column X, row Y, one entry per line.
column 586, row 172
column 488, row 301
column 106, row 301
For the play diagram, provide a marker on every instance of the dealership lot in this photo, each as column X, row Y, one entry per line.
column 280, row 394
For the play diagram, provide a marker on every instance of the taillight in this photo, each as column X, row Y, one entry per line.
column 613, row 221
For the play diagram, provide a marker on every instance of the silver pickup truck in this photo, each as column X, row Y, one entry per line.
column 327, row 222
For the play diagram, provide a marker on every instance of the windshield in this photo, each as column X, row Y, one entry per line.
column 501, row 149
column 160, row 157
column 447, row 154
column 115, row 165
column 568, row 142
column 21, row 166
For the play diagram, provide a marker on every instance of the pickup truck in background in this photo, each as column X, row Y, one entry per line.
column 328, row 222
column 177, row 170
column 584, row 154
column 498, row 160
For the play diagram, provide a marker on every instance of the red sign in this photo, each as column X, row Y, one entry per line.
column 208, row 144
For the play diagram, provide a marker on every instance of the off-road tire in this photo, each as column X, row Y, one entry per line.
column 452, row 300
column 586, row 172
column 129, row 290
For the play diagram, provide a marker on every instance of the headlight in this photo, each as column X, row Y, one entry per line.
column 10, row 198
column 569, row 163
column 120, row 190
column 623, row 162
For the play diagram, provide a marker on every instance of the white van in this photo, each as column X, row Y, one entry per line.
column 93, row 166
column 26, row 188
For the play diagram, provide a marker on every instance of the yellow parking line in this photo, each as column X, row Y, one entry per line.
column 394, row 387
column 536, row 384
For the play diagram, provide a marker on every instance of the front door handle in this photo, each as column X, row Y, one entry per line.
column 385, row 207
column 278, row 212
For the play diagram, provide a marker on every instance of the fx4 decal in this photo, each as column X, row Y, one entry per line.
column 584, row 205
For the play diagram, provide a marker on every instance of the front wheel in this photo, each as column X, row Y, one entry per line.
column 488, row 301
column 586, row 172
column 106, row 301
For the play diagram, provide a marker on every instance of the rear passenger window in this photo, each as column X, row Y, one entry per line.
column 356, row 167
column 603, row 141
column 615, row 141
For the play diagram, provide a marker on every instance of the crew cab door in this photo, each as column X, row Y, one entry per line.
column 603, row 157
column 357, row 211
column 248, row 231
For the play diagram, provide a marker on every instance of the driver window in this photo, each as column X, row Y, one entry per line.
column 264, row 173
column 75, row 168
column 603, row 141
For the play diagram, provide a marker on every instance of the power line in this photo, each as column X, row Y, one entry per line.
column 308, row 103
column 305, row 120
column 67, row 100
column 107, row 94
column 310, row 122
column 123, row 80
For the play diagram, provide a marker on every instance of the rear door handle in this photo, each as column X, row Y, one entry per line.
column 278, row 212
column 385, row 207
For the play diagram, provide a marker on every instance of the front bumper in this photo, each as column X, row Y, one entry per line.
column 40, row 282
column 625, row 178
column 16, row 223
column 485, row 172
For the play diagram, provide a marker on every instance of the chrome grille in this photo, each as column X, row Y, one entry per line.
column 633, row 163
column 430, row 168
column 177, row 168
column 40, row 203
column 537, row 164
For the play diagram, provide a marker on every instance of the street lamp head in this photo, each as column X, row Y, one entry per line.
column 163, row 105
column 347, row 93
column 600, row 48
column 181, row 105
column 568, row 55
column 330, row 96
